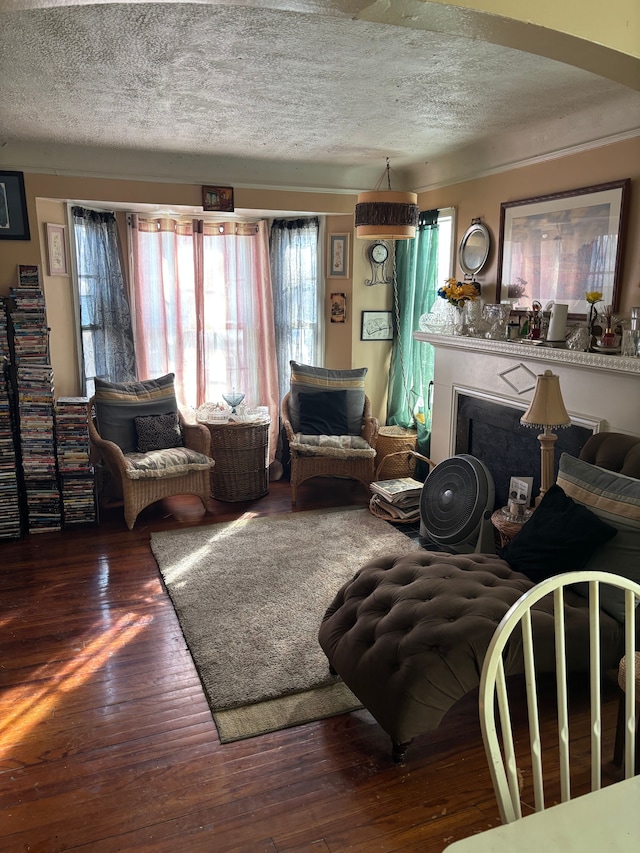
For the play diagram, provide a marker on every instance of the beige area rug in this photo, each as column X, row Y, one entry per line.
column 250, row 596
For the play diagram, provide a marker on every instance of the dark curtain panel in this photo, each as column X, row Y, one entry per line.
column 293, row 250
column 105, row 318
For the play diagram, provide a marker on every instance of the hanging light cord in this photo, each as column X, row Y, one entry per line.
column 387, row 173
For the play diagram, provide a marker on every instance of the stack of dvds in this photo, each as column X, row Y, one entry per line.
column 34, row 390
column 74, row 467
column 10, row 515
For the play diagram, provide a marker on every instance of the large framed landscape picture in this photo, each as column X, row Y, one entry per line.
column 559, row 247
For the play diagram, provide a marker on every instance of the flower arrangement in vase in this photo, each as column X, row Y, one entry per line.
column 458, row 293
column 461, row 294
column 592, row 297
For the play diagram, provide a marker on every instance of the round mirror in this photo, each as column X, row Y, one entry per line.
column 474, row 248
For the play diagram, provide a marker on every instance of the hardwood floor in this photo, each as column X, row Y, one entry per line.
column 107, row 742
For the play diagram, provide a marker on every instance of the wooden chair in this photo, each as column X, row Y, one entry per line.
column 185, row 471
column 623, row 675
column 513, row 643
column 309, row 461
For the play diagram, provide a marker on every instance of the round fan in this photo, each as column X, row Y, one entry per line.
column 456, row 504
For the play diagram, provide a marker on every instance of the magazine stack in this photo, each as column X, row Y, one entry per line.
column 396, row 500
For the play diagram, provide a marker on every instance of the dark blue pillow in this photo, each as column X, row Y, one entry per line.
column 560, row 537
column 323, row 413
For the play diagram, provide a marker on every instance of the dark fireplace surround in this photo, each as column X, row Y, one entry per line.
column 491, row 431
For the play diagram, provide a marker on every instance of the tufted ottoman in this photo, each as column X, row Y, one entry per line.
column 408, row 634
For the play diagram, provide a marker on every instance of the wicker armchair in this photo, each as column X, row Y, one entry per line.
column 321, row 461
column 139, row 488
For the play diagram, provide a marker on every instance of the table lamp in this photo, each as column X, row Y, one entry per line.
column 546, row 411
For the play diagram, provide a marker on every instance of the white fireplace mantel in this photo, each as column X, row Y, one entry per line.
column 601, row 391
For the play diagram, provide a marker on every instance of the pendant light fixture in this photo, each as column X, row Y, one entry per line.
column 385, row 214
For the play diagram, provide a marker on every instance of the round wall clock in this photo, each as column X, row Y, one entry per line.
column 378, row 255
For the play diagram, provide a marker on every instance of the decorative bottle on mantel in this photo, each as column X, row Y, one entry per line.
column 608, row 339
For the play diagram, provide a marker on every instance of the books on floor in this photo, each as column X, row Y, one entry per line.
column 398, row 491
column 397, row 500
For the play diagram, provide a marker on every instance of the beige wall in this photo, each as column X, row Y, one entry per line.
column 482, row 198
column 478, row 198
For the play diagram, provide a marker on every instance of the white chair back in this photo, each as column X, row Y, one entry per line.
column 500, row 750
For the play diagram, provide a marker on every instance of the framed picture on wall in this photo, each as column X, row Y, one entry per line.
column 338, row 256
column 376, row 326
column 338, row 307
column 560, row 246
column 14, row 223
column 56, row 249
column 218, row 198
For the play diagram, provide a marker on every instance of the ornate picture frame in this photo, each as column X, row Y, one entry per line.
column 560, row 246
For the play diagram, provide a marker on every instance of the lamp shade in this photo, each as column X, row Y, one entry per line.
column 547, row 407
column 387, row 215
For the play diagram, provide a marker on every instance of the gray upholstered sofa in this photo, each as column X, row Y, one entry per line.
column 408, row 634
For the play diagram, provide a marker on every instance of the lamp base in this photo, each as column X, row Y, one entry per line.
column 547, row 467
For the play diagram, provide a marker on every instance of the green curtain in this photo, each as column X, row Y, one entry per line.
column 415, row 289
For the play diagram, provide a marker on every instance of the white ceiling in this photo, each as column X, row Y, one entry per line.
column 298, row 94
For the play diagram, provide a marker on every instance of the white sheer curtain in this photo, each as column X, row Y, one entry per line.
column 204, row 309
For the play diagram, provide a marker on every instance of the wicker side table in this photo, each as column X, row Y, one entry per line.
column 241, row 452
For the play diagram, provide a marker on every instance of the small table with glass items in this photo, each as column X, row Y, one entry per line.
column 509, row 525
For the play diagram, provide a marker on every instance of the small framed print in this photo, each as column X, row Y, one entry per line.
column 376, row 326
column 57, row 249
column 520, row 489
column 338, row 256
column 338, row 307
column 218, row 199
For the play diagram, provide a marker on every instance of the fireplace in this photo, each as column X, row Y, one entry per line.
column 482, row 387
column 491, row 431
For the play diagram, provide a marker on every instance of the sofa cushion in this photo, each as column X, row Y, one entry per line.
column 158, row 432
column 308, row 379
column 614, row 499
column 560, row 536
column 323, row 412
column 171, row 462
column 332, row 445
column 118, row 404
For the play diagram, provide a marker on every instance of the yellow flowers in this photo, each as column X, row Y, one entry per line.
column 593, row 296
column 458, row 292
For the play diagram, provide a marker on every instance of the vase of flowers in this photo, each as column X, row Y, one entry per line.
column 460, row 294
column 592, row 297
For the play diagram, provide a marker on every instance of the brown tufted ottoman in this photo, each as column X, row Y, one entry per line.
column 408, row 634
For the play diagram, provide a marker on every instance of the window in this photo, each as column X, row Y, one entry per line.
column 104, row 315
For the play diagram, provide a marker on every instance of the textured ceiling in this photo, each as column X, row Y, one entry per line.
column 238, row 84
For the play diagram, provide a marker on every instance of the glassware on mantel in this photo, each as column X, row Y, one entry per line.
column 233, row 399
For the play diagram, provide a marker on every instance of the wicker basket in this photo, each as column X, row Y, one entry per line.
column 241, row 452
column 393, row 456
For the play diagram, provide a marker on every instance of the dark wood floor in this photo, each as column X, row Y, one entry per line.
column 107, row 743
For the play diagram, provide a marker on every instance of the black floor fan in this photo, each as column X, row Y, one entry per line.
column 455, row 507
